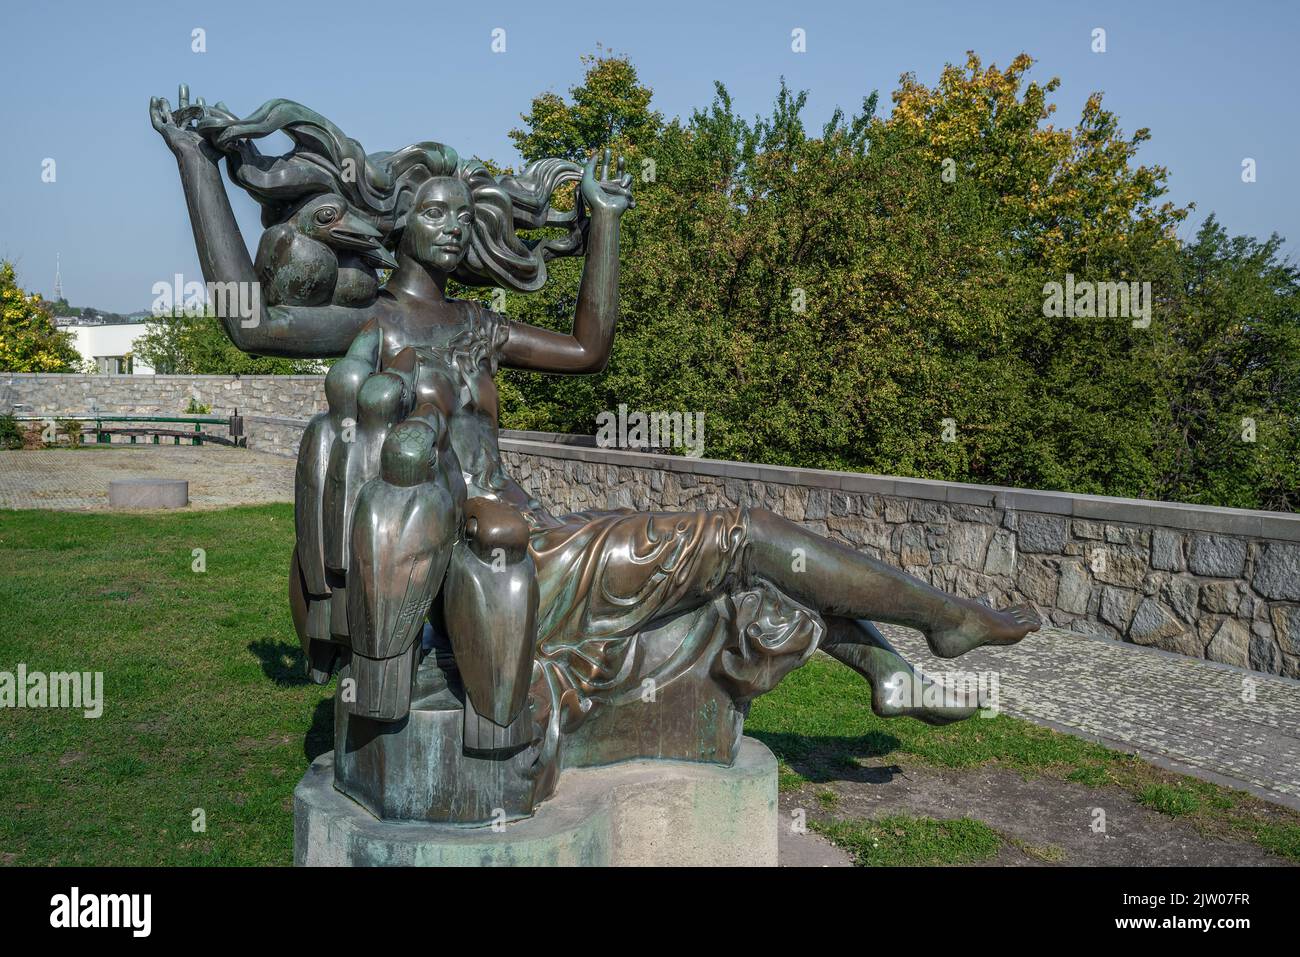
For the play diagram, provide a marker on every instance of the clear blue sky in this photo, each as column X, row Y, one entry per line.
column 1215, row 82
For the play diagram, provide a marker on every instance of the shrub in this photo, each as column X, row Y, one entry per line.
column 72, row 429
column 11, row 433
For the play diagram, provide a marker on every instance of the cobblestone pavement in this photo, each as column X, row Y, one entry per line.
column 75, row 480
column 1182, row 713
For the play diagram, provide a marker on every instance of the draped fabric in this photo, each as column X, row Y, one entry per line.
column 634, row 597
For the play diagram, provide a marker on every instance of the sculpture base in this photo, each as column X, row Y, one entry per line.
column 637, row 813
column 148, row 493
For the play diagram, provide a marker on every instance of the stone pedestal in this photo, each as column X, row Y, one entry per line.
column 148, row 493
column 637, row 813
column 416, row 769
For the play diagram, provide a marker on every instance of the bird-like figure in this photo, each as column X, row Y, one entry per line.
column 403, row 529
column 323, row 253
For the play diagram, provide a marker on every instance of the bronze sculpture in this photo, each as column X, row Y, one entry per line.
column 482, row 643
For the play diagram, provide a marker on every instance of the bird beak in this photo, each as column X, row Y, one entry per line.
column 354, row 232
column 380, row 257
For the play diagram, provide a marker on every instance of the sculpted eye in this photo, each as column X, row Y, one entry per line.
column 467, row 218
column 433, row 212
column 326, row 215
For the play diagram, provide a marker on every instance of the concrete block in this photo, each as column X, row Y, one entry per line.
column 637, row 813
column 148, row 493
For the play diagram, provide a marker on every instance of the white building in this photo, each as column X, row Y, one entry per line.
column 110, row 347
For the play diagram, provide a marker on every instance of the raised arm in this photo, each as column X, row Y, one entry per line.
column 586, row 349
column 300, row 332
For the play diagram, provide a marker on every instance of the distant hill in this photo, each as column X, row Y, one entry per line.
column 66, row 315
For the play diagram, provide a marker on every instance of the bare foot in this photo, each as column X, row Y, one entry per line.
column 897, row 690
column 979, row 625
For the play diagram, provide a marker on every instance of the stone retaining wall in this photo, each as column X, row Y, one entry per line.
column 275, row 408
column 290, row 396
column 1214, row 583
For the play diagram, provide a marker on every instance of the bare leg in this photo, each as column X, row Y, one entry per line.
column 839, row 582
column 897, row 690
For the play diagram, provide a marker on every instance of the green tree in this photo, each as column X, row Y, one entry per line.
column 870, row 295
column 29, row 340
column 1229, row 364
column 196, row 345
column 609, row 108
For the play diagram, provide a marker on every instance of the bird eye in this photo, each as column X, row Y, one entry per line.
column 326, row 215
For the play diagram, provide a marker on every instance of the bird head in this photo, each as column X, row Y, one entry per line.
column 330, row 220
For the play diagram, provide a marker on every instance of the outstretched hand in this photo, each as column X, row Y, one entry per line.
column 179, row 128
column 613, row 196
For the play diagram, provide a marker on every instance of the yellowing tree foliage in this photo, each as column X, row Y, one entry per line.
column 29, row 341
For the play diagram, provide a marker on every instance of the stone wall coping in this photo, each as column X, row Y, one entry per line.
column 152, row 377
column 1284, row 526
column 278, row 420
column 1281, row 526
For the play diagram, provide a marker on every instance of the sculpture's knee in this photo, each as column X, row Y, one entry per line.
column 762, row 526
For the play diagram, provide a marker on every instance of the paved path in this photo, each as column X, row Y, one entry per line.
column 69, row 479
column 1192, row 716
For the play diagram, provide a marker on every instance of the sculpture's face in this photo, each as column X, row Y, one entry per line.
column 438, row 226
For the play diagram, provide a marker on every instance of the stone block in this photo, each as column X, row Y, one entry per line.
column 1041, row 533
column 1126, row 535
column 1154, row 625
column 1120, row 565
column 1075, row 588
column 1230, row 644
column 1180, row 592
column 1286, row 627
column 1167, row 550
column 148, row 493
column 1085, row 529
column 1117, row 606
column 818, row 504
column 637, row 813
column 1223, row 598
column 967, row 544
column 935, row 512
column 1264, row 654
column 1037, row 581
column 1277, row 571
column 912, row 548
column 1217, row 556
column 1094, row 629
column 1001, row 557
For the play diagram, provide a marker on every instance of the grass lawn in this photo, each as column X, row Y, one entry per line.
column 205, row 707
column 819, row 724
column 205, row 704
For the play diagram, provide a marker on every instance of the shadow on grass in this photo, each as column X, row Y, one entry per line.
column 282, row 662
column 822, row 758
column 285, row 664
column 320, row 736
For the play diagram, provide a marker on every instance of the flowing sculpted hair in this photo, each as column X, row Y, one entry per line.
column 381, row 187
